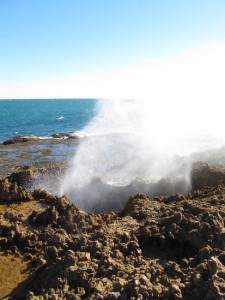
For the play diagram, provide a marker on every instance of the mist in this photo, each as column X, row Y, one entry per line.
column 176, row 111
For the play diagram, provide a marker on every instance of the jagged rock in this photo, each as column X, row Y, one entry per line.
column 205, row 174
column 11, row 192
column 167, row 247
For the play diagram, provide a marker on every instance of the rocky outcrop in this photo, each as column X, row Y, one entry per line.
column 63, row 135
column 205, row 174
column 47, row 176
column 159, row 247
column 12, row 192
column 20, row 139
column 33, row 138
column 166, row 247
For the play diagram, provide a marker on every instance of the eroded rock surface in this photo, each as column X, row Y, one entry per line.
column 163, row 247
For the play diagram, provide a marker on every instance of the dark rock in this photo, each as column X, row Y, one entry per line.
column 20, row 139
column 60, row 135
column 205, row 174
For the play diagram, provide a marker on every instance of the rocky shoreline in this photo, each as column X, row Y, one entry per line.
column 21, row 152
column 164, row 247
column 149, row 242
column 32, row 138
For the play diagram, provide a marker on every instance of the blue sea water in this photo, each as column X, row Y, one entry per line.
column 44, row 117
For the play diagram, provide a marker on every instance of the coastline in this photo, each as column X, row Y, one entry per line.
column 153, row 247
column 25, row 151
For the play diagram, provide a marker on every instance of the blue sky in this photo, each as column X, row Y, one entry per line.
column 50, row 39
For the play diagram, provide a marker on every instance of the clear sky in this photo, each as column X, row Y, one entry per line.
column 47, row 43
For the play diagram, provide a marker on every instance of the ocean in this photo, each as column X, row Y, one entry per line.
column 126, row 148
column 44, row 117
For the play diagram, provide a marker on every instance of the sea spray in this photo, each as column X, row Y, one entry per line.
column 152, row 137
column 119, row 156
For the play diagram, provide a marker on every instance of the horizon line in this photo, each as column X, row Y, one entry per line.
column 69, row 98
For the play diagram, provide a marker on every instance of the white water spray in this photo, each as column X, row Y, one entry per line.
column 179, row 112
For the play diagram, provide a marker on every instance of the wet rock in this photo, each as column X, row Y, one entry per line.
column 60, row 135
column 20, row 139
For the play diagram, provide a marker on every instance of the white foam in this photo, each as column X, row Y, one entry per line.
column 45, row 138
column 78, row 134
